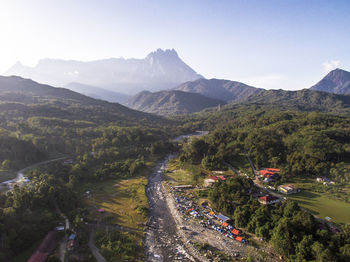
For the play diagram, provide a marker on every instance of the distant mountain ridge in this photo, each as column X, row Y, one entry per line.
column 98, row 93
column 226, row 90
column 162, row 69
column 303, row 100
column 171, row 102
column 17, row 92
column 337, row 81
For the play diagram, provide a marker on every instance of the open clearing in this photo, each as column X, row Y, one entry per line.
column 124, row 201
column 321, row 205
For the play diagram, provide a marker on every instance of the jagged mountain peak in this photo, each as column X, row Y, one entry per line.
column 161, row 69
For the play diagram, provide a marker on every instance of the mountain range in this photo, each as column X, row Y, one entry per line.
column 337, row 82
column 24, row 98
column 163, row 84
column 162, row 69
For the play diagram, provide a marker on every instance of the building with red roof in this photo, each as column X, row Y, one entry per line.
column 269, row 200
column 275, row 170
column 215, row 178
column 235, row 231
column 266, row 173
column 240, row 239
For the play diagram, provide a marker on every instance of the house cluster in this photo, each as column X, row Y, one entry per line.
column 288, row 189
column 71, row 242
column 325, row 181
column 208, row 182
column 207, row 217
column 269, row 174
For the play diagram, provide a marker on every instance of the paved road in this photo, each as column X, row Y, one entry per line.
column 20, row 173
column 95, row 252
column 63, row 242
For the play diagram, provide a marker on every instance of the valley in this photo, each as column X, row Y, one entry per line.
column 167, row 131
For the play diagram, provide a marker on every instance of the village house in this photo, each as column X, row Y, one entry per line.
column 268, row 200
column 288, row 189
column 210, row 181
column 268, row 174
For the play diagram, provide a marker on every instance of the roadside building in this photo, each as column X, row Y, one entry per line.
column 274, row 170
column 222, row 178
column 235, row 232
column 288, row 189
column 267, row 180
column 214, row 178
column 182, row 187
column 70, row 245
column 266, row 174
column 223, row 218
column 268, row 200
column 209, row 182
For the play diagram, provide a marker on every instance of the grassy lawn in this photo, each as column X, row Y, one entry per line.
column 7, row 175
column 321, row 205
column 179, row 177
column 125, row 202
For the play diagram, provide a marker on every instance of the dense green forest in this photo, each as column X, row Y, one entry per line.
column 300, row 143
column 293, row 232
column 105, row 140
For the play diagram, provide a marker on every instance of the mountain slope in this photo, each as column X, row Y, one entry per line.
column 304, row 100
column 172, row 102
column 336, row 81
column 98, row 93
column 159, row 70
column 25, row 98
column 226, row 90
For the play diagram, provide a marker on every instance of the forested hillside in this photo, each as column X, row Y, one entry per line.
column 302, row 143
column 106, row 141
column 42, row 119
column 172, row 102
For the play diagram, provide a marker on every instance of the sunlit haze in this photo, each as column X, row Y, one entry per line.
column 268, row 44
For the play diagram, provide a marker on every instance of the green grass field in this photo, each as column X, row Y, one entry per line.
column 179, row 177
column 125, row 202
column 321, row 205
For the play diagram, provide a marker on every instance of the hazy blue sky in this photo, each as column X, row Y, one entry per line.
column 270, row 44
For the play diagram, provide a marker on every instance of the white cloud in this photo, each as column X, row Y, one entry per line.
column 330, row 65
column 270, row 81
